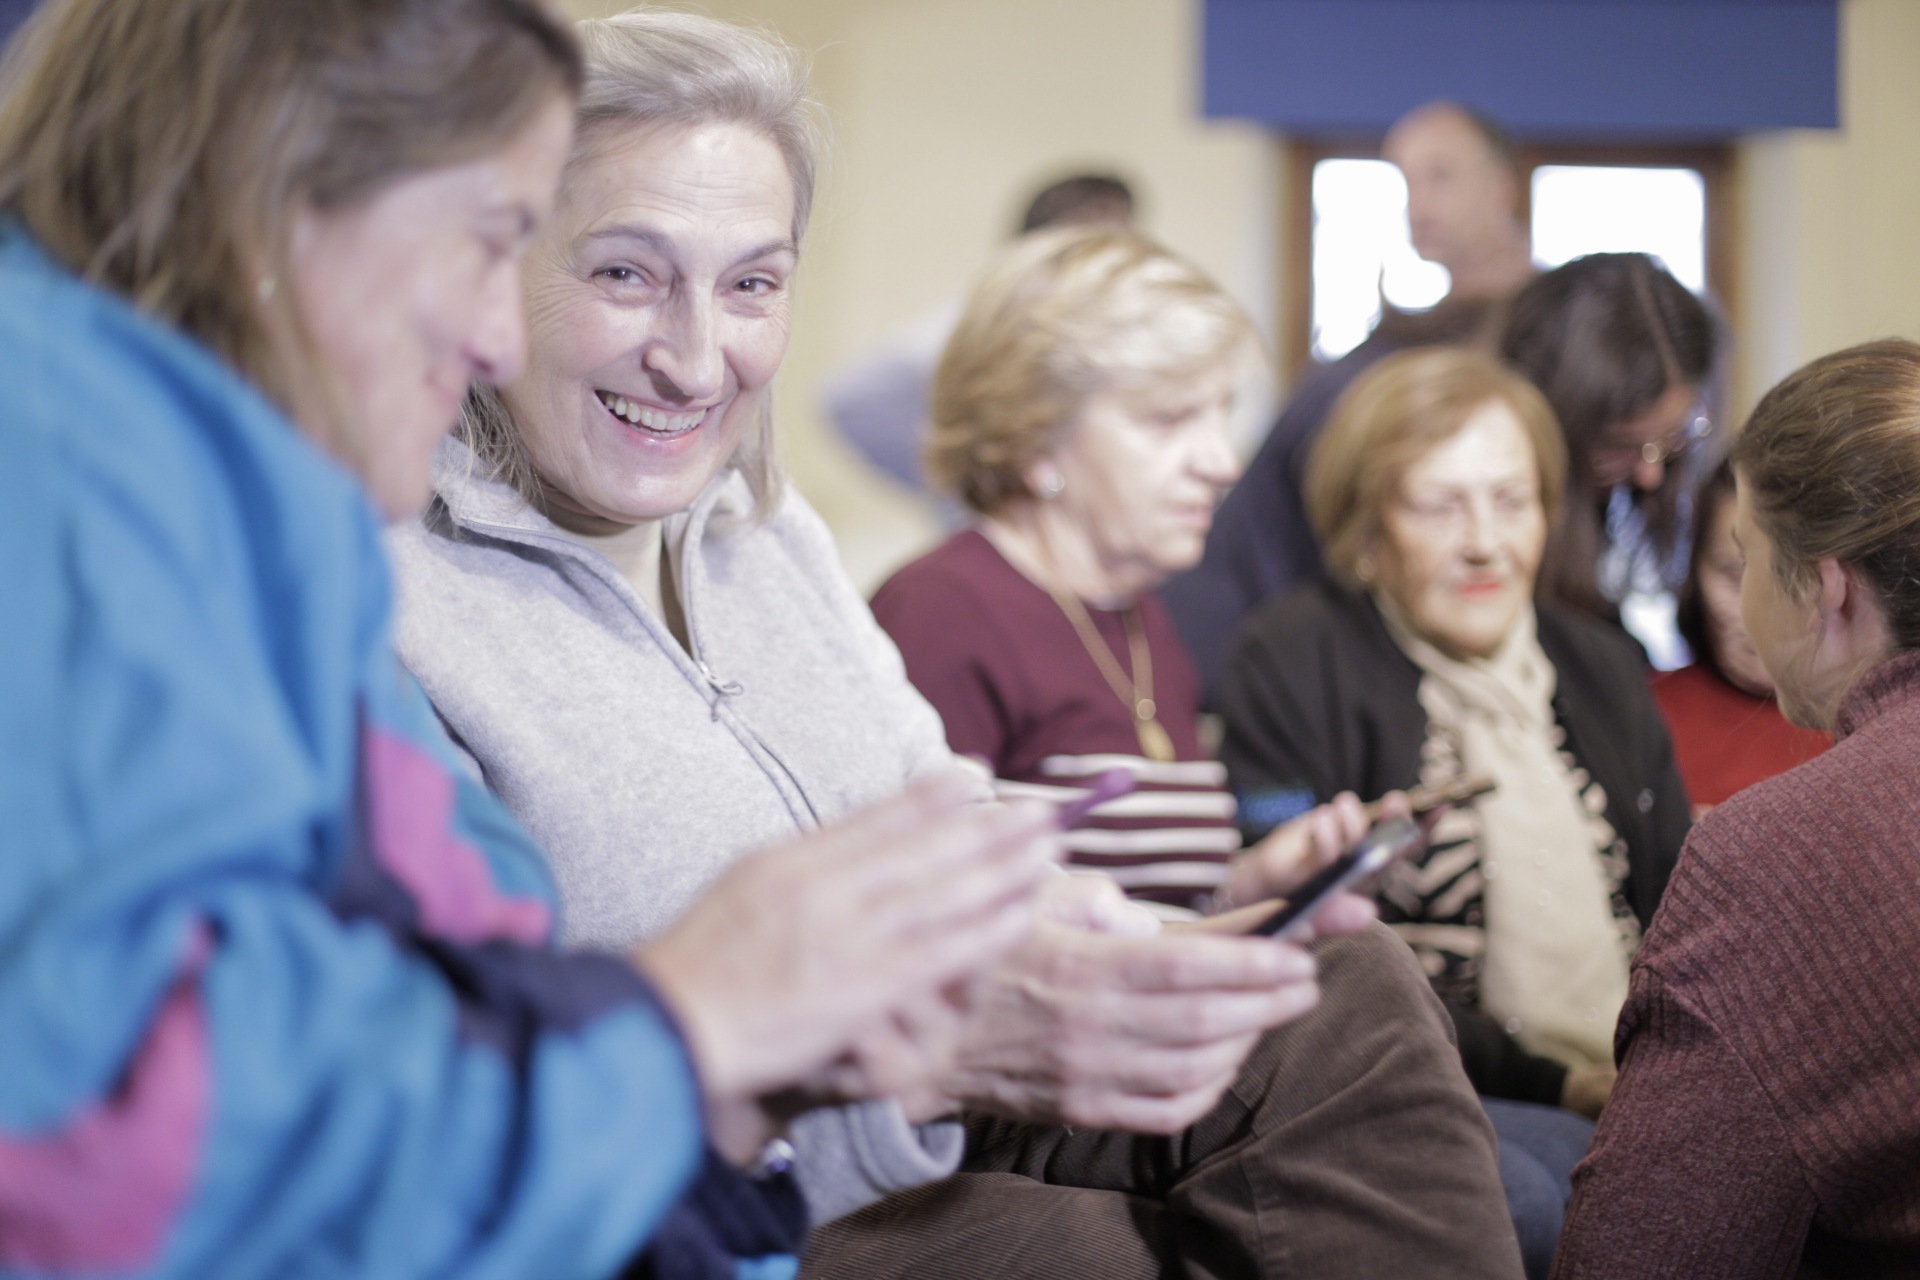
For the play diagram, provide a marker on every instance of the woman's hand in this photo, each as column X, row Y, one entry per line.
column 1091, row 900
column 832, row 964
column 1292, row 852
column 1587, row 1090
column 1124, row 1030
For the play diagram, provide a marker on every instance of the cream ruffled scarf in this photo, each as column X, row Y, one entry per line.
column 1555, row 967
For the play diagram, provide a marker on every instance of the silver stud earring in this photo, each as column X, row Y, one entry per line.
column 265, row 289
column 1052, row 485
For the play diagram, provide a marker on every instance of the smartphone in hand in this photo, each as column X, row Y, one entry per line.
column 1387, row 841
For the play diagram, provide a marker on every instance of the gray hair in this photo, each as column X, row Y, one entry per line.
column 653, row 67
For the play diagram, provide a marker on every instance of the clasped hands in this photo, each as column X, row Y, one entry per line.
column 1104, row 1018
column 925, row 950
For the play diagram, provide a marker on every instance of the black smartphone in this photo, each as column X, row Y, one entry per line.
column 1394, row 838
column 1110, row 785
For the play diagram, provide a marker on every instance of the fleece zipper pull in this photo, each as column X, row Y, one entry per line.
column 721, row 688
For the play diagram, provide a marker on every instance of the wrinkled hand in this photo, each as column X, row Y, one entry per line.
column 836, row 962
column 1111, row 1030
column 907, row 1058
column 1587, row 1090
column 1295, row 850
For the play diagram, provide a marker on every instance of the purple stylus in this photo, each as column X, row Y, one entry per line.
column 1108, row 786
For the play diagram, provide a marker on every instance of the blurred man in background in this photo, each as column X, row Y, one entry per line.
column 1463, row 198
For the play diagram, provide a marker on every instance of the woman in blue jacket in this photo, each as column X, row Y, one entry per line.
column 276, row 991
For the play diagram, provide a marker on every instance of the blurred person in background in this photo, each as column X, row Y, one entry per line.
column 1082, row 411
column 1428, row 659
column 1728, row 732
column 878, row 399
column 1763, row 1123
column 1626, row 356
column 277, row 992
column 1463, row 180
column 643, row 637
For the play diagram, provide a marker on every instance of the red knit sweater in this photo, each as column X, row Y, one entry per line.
column 1767, row 1117
column 1725, row 739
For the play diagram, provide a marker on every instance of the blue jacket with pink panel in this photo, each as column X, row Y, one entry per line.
column 277, row 996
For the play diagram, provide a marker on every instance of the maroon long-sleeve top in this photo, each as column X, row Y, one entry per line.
column 1767, row 1117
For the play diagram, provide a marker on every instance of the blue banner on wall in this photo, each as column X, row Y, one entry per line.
column 1658, row 70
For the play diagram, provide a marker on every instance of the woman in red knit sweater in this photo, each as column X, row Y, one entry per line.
column 1765, row 1121
column 1727, row 729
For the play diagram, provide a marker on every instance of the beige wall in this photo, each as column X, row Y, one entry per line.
column 947, row 112
column 1831, row 254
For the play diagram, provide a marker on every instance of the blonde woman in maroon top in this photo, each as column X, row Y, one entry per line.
column 1081, row 411
column 1765, row 1121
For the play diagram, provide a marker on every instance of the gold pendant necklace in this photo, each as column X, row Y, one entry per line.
column 1135, row 694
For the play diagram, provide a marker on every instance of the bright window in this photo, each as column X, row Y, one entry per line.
column 1361, row 252
column 1580, row 209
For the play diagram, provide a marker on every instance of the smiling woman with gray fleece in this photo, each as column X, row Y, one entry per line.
column 645, row 643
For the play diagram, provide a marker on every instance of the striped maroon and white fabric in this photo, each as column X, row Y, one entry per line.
column 1016, row 689
column 1166, row 843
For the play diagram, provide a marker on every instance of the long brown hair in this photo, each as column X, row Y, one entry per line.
column 1830, row 463
column 1604, row 337
column 161, row 148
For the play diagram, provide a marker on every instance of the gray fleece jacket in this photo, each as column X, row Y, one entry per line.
column 643, row 769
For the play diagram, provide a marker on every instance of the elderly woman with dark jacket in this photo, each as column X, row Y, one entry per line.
column 1432, row 492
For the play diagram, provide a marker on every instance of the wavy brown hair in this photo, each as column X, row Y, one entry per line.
column 161, row 148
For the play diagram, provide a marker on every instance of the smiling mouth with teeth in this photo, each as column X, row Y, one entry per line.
column 653, row 421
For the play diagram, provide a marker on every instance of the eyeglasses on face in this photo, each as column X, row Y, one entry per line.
column 1613, row 463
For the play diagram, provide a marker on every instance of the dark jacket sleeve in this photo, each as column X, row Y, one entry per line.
column 727, row 1219
column 1316, row 699
column 1261, row 545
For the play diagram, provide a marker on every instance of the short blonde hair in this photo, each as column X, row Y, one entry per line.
column 652, row 68
column 1061, row 314
column 1393, row 415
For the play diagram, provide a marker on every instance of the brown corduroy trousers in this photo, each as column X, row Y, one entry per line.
column 1351, row 1146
